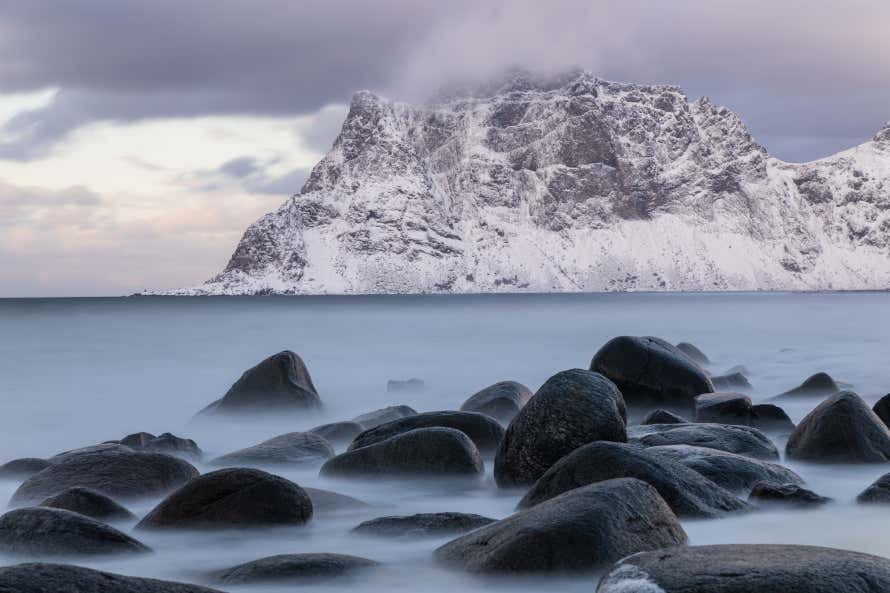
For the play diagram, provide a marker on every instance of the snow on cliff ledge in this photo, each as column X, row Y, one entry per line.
column 568, row 184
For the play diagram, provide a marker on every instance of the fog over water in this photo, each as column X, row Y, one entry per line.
column 75, row 372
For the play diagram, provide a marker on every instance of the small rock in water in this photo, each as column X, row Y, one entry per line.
column 731, row 382
column 501, row 401
column 483, row 430
column 164, row 443
column 789, row 494
column 882, row 409
column 412, row 385
column 88, row 502
column 40, row 531
column 294, row 568
column 338, row 433
column 384, row 415
column 770, row 418
column 293, row 448
column 325, row 501
column 422, row 524
column 660, row 416
column 723, row 408
column 743, row 440
column 21, row 469
column 693, row 352
column 878, row 491
column 37, row 577
column 818, row 385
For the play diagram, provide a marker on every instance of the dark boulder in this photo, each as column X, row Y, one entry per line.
column 652, row 373
column 419, row 452
column 228, row 498
column 422, row 525
column 723, row 408
column 293, row 448
column 693, row 352
column 384, row 415
column 21, row 469
column 122, row 475
column 785, row 494
column 164, row 443
column 338, row 433
column 686, row 491
column 736, row 473
column 743, row 440
column 110, row 447
column 660, row 416
column 325, row 501
column 878, row 491
column 280, row 383
column 770, row 418
column 841, row 428
column 40, row 531
column 88, row 502
column 483, row 430
column 731, row 382
column 748, row 568
column 881, row 408
column 577, row 531
column 571, row 409
column 412, row 385
column 64, row 578
column 818, row 385
column 294, row 568
column 501, row 401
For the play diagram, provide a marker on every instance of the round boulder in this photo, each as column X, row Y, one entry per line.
column 88, row 502
column 294, row 568
column 743, row 440
column 39, row 531
column 770, row 418
column 501, row 401
column 293, row 448
column 693, row 352
column 785, row 494
column 63, row 578
column 338, row 433
column 841, row 428
column 576, row 531
column 878, row 491
column 723, row 408
column 419, row 452
column 686, row 491
column 422, row 525
column 652, row 373
column 818, row 385
column 384, row 415
column 731, row 382
column 228, row 498
column 881, row 408
column 164, row 443
column 22, row 469
column 660, row 416
column 483, row 430
column 571, row 409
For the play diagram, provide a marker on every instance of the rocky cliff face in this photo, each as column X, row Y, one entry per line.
column 567, row 184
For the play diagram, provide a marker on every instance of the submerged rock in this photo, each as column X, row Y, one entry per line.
column 501, row 401
column 230, row 498
column 731, row 382
column 483, row 430
column 21, row 469
column 422, row 524
column 293, row 568
column 693, row 352
column 63, row 578
column 326, row 501
column 841, row 428
column 660, row 416
column 292, row 449
column 40, row 531
column 383, row 415
column 748, row 568
column 88, row 502
column 578, row 530
column 402, row 385
column 571, row 409
column 743, row 440
column 787, row 494
column 878, row 491
column 818, row 385
column 338, row 433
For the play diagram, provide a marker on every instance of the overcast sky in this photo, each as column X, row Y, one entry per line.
column 138, row 139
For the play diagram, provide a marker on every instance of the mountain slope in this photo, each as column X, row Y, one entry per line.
column 567, row 184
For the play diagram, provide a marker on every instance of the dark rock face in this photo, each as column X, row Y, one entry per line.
column 232, row 498
column 294, row 568
column 293, row 448
column 338, row 433
column 578, row 530
column 20, row 469
column 881, row 408
column 723, row 408
column 743, row 440
column 841, row 428
column 818, row 385
column 122, row 475
column 736, row 473
column 651, row 373
column 164, row 443
column 770, row 418
column 383, row 415
column 732, row 382
column 422, row 525
column 89, row 503
column 483, row 430
column 693, row 352
column 687, row 492
column 419, row 452
column 749, row 568
column 325, row 501
column 501, row 401
column 787, row 494
column 280, row 383
column 405, row 385
column 660, row 416
column 878, row 491
column 571, row 409
column 64, row 578
column 39, row 531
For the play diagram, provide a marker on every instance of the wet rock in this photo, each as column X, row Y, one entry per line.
column 878, row 491
column 571, row 409
column 652, row 373
column 882, row 409
column 483, row 430
column 293, row 448
column 736, row 473
column 39, row 531
column 338, row 433
column 122, row 475
column 384, row 415
column 88, row 502
column 64, row 578
column 748, row 568
column 723, row 408
column 294, row 568
column 21, row 469
column 743, row 440
column 407, row 385
column 419, row 452
column 693, row 352
column 770, row 418
column 731, row 382
column 501, row 401
column 326, row 501
column 686, row 491
column 230, row 498
column 91, row 449
column 422, row 525
column 660, row 416
column 164, row 443
column 280, row 383
column 841, row 428
column 578, row 530
column 786, row 494
column 818, row 385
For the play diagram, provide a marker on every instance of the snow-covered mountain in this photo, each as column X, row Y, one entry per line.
column 567, row 184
